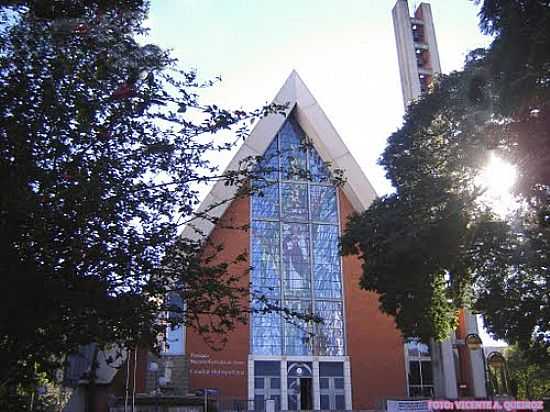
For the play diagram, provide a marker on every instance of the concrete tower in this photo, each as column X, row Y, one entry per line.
column 416, row 49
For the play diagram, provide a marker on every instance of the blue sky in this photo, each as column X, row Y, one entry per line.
column 343, row 50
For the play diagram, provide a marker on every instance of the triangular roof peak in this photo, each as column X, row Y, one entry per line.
column 322, row 135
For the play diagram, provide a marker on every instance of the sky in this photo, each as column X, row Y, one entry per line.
column 344, row 50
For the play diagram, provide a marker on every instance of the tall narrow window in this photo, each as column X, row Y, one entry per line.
column 173, row 344
column 419, row 369
column 294, row 250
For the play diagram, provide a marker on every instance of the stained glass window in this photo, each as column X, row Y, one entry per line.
column 318, row 169
column 326, row 261
column 294, row 202
column 296, row 260
column 266, row 277
column 323, row 204
column 267, row 336
column 293, row 149
column 331, row 331
column 299, row 337
column 295, row 249
column 265, row 201
column 269, row 166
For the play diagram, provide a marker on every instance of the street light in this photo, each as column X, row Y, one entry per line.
column 473, row 342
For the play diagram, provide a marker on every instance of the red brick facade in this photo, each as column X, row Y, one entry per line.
column 374, row 344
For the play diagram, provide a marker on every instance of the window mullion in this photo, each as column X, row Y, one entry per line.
column 282, row 300
column 315, row 349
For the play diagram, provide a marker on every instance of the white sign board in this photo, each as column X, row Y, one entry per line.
column 407, row 406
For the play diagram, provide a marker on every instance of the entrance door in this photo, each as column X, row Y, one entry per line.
column 306, row 394
column 300, row 386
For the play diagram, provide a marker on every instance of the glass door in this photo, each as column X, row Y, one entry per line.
column 300, row 386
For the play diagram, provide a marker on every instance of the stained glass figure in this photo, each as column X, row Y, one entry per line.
column 296, row 260
column 295, row 251
column 294, row 202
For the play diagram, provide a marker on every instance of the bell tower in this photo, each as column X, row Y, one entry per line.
column 416, row 49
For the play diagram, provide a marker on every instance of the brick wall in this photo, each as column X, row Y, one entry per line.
column 225, row 370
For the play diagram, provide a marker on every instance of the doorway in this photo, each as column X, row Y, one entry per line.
column 306, row 394
column 300, row 386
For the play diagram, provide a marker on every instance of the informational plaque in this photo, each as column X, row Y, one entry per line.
column 407, row 406
column 204, row 364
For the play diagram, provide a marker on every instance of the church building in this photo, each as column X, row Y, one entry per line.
column 356, row 358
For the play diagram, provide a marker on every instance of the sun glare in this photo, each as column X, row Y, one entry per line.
column 497, row 179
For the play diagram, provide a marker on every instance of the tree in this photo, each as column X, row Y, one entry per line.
column 434, row 245
column 530, row 380
column 103, row 143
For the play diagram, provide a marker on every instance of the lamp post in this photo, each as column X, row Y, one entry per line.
column 473, row 342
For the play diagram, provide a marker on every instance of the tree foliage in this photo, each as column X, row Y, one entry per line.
column 434, row 246
column 529, row 380
column 103, row 143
